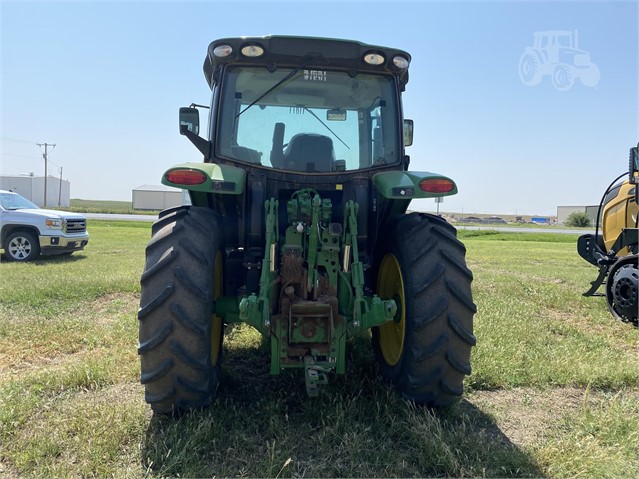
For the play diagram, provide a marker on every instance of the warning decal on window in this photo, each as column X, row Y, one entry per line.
column 315, row 75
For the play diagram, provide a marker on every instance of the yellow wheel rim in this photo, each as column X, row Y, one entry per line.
column 216, row 321
column 390, row 285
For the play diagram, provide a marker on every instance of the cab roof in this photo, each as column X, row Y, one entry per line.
column 311, row 52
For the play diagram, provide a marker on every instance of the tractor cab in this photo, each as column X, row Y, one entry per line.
column 329, row 110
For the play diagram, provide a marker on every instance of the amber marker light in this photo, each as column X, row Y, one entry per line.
column 436, row 185
column 185, row 177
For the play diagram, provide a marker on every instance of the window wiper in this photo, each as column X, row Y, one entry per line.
column 274, row 87
column 326, row 126
column 308, row 58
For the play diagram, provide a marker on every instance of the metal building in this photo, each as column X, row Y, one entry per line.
column 158, row 197
column 564, row 211
column 32, row 188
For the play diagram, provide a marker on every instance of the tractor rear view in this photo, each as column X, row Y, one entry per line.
column 298, row 226
column 615, row 249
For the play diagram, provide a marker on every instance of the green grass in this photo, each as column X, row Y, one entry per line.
column 531, row 312
column 553, row 391
column 105, row 206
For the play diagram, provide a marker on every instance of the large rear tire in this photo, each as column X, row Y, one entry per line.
column 180, row 337
column 425, row 352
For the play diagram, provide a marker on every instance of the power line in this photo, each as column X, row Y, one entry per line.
column 30, row 158
column 18, row 141
column 21, row 156
column 51, row 162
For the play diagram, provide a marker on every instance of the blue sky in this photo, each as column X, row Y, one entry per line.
column 104, row 81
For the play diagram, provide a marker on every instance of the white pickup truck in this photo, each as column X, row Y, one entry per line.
column 27, row 231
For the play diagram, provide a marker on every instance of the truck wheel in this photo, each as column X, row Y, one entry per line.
column 180, row 337
column 425, row 352
column 22, row 246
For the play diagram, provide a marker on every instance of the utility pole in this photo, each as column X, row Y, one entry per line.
column 60, row 190
column 45, row 155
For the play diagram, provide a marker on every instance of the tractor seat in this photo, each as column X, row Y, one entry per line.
column 309, row 152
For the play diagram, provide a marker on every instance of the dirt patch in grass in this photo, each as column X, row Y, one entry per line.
column 529, row 416
column 108, row 308
column 34, row 350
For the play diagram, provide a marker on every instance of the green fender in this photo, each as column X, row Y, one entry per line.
column 413, row 184
column 206, row 178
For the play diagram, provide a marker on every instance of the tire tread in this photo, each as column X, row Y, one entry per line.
column 439, row 310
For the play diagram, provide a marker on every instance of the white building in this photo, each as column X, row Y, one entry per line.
column 32, row 188
column 158, row 197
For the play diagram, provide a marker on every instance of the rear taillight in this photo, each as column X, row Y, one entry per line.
column 185, row 177
column 436, row 185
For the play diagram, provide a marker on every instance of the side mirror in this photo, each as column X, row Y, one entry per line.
column 190, row 127
column 189, row 120
column 408, row 132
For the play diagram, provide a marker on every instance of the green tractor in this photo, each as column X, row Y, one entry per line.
column 298, row 226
